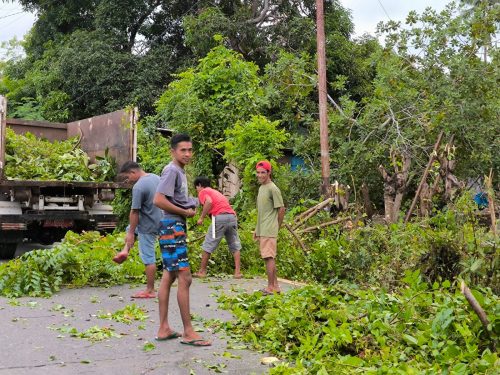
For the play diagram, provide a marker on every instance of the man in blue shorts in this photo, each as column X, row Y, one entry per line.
column 172, row 197
column 144, row 219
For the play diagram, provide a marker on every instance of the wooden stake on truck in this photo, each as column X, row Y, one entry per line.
column 43, row 211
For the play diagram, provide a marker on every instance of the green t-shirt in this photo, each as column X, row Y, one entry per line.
column 269, row 201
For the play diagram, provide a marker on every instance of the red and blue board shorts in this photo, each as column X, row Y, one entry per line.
column 173, row 245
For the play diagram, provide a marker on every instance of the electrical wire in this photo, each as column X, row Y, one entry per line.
column 385, row 11
column 10, row 15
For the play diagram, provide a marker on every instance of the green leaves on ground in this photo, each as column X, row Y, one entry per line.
column 80, row 260
column 127, row 315
column 148, row 346
column 31, row 158
column 92, row 334
column 416, row 329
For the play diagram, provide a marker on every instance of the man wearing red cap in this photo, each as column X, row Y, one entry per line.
column 270, row 214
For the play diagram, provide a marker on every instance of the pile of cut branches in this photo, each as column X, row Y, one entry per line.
column 31, row 158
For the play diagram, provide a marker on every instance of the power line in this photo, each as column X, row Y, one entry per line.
column 383, row 8
column 12, row 14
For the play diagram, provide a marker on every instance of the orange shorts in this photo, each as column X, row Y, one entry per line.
column 268, row 247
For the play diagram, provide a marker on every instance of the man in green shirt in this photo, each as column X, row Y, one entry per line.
column 270, row 214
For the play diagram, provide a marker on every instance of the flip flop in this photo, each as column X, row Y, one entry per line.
column 266, row 292
column 120, row 258
column 144, row 294
column 173, row 335
column 197, row 342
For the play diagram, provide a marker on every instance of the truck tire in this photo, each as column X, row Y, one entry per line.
column 7, row 250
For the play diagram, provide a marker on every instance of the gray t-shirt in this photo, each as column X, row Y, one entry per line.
column 173, row 184
column 143, row 194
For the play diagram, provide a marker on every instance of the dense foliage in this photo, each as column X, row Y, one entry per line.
column 417, row 329
column 209, row 99
column 241, row 80
column 449, row 246
column 79, row 260
column 30, row 158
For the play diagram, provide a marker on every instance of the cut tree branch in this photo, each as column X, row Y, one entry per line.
column 478, row 310
column 297, row 238
column 323, row 225
column 424, row 177
column 302, row 218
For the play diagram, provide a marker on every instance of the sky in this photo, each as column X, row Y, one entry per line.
column 365, row 13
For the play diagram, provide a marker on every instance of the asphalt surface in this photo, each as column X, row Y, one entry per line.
column 25, row 247
column 34, row 338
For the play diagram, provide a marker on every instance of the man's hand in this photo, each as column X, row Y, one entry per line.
column 190, row 212
column 130, row 239
column 200, row 221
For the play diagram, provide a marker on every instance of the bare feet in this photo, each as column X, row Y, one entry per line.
column 200, row 275
column 238, row 276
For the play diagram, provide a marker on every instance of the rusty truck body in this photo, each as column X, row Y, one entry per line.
column 43, row 211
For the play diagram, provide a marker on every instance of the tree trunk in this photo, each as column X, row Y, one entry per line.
column 425, row 200
column 395, row 187
column 367, row 203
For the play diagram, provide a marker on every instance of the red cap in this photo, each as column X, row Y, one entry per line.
column 264, row 164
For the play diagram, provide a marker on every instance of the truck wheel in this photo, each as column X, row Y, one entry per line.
column 7, row 250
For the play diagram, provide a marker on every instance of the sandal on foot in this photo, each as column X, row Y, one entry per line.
column 144, row 294
column 173, row 335
column 197, row 342
column 266, row 292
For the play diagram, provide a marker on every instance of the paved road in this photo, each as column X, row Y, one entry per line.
column 31, row 344
column 24, row 247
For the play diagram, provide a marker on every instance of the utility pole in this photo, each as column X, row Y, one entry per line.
column 323, row 116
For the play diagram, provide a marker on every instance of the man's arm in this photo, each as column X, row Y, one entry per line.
column 162, row 202
column 281, row 215
column 207, row 206
column 133, row 218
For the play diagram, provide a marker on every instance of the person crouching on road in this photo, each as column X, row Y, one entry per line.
column 224, row 224
column 144, row 220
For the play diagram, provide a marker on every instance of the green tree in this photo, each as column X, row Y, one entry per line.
column 430, row 78
column 85, row 58
column 250, row 141
column 210, row 98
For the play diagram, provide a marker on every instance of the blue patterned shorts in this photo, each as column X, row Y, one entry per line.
column 173, row 245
